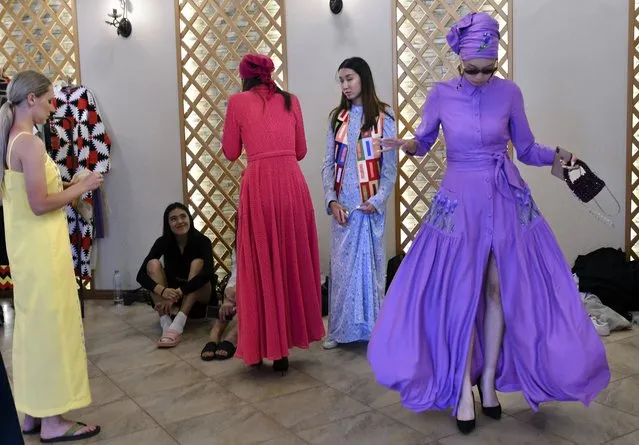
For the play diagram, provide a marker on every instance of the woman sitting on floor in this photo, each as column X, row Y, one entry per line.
column 223, row 336
column 185, row 282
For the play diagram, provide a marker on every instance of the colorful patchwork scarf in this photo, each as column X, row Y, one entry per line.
column 369, row 163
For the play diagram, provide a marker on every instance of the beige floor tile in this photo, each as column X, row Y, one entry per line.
column 368, row 428
column 244, row 425
column 187, row 402
column 218, row 368
column 193, row 340
column 164, row 397
column 156, row 378
column 255, row 385
column 155, row 436
column 116, row 419
column 511, row 402
column 115, row 362
column 433, row 424
column 104, row 391
column 623, row 357
column 594, row 425
column 311, row 408
column 121, row 341
column 286, row 440
column 621, row 335
column 365, row 389
column 508, row 431
column 623, row 395
column 93, row 370
column 103, row 326
column 630, row 439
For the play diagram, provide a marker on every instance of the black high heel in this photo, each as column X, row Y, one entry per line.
column 281, row 365
column 468, row 426
column 494, row 412
column 258, row 365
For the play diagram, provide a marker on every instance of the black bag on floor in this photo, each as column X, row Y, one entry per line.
column 391, row 269
column 607, row 274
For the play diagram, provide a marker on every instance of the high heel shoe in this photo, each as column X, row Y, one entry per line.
column 467, row 426
column 281, row 365
column 494, row 412
column 257, row 365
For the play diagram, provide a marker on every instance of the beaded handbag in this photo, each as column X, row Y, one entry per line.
column 586, row 187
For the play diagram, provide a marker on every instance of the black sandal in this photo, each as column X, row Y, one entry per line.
column 70, row 435
column 210, row 347
column 227, row 347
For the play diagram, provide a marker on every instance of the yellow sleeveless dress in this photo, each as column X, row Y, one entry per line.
column 49, row 359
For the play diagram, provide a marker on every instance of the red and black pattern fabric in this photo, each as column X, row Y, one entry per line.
column 5, row 272
column 79, row 141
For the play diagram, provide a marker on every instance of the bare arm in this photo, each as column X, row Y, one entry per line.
column 32, row 156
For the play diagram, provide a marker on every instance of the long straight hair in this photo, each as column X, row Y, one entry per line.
column 23, row 84
column 252, row 82
column 370, row 102
column 167, row 233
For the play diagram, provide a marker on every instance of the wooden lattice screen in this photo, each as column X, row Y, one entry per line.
column 422, row 59
column 632, row 181
column 39, row 35
column 212, row 38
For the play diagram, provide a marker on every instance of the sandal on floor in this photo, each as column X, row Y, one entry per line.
column 70, row 435
column 210, row 347
column 227, row 347
column 169, row 339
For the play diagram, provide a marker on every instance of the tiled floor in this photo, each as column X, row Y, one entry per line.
column 143, row 395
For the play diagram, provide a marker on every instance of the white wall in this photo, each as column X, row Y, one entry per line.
column 135, row 82
column 574, row 83
column 570, row 60
column 317, row 42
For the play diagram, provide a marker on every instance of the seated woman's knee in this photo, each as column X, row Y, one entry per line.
column 153, row 267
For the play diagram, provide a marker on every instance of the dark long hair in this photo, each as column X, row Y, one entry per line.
column 167, row 233
column 370, row 102
column 252, row 82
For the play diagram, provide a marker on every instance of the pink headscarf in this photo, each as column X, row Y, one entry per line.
column 259, row 67
column 475, row 36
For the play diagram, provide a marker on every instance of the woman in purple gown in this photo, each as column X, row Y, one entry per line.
column 484, row 295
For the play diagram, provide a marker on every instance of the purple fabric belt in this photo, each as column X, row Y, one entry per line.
column 506, row 175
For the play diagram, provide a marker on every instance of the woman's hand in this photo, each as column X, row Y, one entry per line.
column 572, row 165
column 173, row 295
column 88, row 180
column 164, row 307
column 92, row 181
column 339, row 212
column 367, row 207
column 407, row 146
column 227, row 310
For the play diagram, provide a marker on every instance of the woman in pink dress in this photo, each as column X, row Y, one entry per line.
column 278, row 274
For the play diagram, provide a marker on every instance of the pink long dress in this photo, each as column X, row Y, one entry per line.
column 278, row 274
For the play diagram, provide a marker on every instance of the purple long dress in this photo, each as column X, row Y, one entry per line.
column 419, row 346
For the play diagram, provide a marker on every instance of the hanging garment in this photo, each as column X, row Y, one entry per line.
column 5, row 274
column 79, row 142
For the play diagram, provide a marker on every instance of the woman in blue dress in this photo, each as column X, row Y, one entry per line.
column 358, row 181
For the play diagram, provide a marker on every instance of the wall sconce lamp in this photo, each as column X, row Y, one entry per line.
column 123, row 25
column 336, row 6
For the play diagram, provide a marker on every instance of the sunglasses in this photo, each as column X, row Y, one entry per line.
column 474, row 71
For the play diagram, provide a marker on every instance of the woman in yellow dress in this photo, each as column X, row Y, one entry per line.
column 49, row 360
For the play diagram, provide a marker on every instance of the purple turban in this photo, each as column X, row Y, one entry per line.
column 475, row 36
